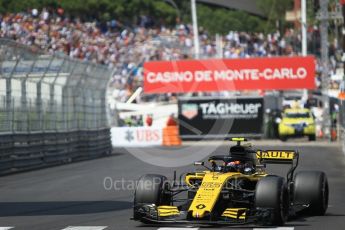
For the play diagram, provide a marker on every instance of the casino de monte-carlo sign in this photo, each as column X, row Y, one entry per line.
column 210, row 75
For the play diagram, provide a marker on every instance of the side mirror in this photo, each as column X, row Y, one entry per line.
column 198, row 163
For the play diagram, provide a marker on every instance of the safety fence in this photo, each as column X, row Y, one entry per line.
column 52, row 108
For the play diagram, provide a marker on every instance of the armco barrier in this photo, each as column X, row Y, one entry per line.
column 21, row 152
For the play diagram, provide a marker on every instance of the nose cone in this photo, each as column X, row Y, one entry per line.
column 198, row 214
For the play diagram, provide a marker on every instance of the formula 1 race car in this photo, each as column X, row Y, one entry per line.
column 235, row 189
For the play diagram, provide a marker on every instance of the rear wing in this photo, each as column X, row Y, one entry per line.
column 279, row 157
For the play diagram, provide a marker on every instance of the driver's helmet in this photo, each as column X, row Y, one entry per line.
column 234, row 166
column 238, row 166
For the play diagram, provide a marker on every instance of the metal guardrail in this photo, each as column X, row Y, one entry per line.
column 52, row 109
column 26, row 151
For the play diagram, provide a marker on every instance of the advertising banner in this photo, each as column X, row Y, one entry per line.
column 136, row 136
column 219, row 117
column 276, row 73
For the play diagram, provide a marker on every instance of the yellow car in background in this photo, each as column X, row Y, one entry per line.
column 297, row 122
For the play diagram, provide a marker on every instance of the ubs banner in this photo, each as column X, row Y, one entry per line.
column 218, row 117
column 136, row 136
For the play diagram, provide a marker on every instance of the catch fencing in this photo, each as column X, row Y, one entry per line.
column 52, row 109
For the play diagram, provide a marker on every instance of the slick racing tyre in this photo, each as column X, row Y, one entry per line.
column 151, row 189
column 311, row 188
column 271, row 193
column 283, row 138
column 312, row 137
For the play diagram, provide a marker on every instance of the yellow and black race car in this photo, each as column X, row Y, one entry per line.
column 235, row 189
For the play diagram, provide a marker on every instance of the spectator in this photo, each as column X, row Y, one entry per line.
column 149, row 120
column 171, row 120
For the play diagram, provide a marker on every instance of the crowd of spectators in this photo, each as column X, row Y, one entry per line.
column 126, row 48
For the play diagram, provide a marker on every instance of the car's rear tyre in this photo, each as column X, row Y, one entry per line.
column 271, row 193
column 283, row 138
column 311, row 188
column 151, row 189
column 312, row 137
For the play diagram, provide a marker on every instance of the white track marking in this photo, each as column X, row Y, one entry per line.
column 6, row 228
column 277, row 228
column 177, row 228
column 85, row 228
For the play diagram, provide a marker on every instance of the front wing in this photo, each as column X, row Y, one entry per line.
column 149, row 214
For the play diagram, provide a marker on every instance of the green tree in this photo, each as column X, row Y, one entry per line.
column 220, row 20
column 275, row 11
column 213, row 19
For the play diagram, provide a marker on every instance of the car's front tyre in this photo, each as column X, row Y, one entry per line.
column 271, row 193
column 151, row 189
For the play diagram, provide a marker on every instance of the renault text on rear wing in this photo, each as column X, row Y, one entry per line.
column 276, row 156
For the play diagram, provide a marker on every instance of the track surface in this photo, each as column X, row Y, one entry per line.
column 75, row 194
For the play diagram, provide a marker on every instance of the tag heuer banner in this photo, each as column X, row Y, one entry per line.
column 218, row 117
column 276, row 73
